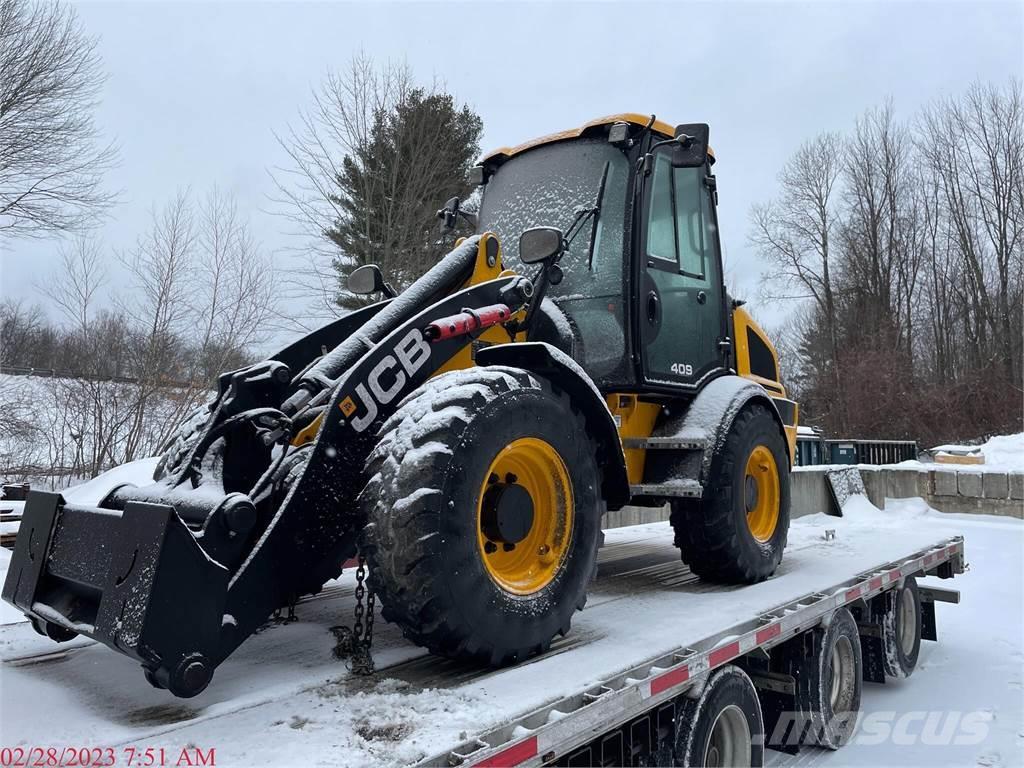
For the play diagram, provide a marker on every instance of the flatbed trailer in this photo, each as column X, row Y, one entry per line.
column 618, row 690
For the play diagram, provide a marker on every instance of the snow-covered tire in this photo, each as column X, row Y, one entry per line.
column 901, row 628
column 723, row 726
column 713, row 533
column 429, row 480
column 182, row 441
column 828, row 684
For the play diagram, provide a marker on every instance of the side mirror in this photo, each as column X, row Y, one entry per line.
column 691, row 150
column 540, row 244
column 366, row 279
column 449, row 214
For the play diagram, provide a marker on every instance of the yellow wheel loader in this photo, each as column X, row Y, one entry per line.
column 463, row 438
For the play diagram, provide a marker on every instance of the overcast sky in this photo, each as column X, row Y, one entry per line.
column 195, row 91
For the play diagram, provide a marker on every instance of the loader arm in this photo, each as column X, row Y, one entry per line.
column 199, row 565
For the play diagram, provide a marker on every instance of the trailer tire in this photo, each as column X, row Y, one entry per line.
column 736, row 532
column 433, row 518
column 901, row 629
column 828, row 683
column 723, row 726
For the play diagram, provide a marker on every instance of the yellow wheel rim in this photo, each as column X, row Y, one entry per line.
column 761, row 493
column 523, row 551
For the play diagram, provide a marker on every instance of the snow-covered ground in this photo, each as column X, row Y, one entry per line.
column 282, row 699
column 964, row 705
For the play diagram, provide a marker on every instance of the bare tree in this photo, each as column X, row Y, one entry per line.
column 974, row 148
column 796, row 232
column 925, row 269
column 234, row 287
column 337, row 125
column 203, row 293
column 20, row 325
column 73, row 286
column 51, row 158
column 882, row 229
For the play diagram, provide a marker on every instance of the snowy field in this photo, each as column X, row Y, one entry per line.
column 282, row 699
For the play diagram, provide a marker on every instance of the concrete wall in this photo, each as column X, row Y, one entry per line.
column 963, row 491
column 635, row 516
column 952, row 489
column 947, row 490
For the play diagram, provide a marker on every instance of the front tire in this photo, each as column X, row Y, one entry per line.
column 737, row 531
column 483, row 515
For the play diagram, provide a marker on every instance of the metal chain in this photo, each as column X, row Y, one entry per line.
column 354, row 643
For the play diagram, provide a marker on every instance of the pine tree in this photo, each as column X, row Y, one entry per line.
column 418, row 155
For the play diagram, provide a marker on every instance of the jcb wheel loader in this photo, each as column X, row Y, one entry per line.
column 464, row 437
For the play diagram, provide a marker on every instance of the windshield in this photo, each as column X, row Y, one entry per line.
column 546, row 186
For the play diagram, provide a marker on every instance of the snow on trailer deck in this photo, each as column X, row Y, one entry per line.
column 283, row 699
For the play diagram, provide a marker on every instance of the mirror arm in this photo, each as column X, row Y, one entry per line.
column 388, row 291
column 540, row 288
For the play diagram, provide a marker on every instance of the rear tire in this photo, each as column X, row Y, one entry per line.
column 483, row 515
column 723, row 726
column 901, row 629
column 828, row 685
column 737, row 531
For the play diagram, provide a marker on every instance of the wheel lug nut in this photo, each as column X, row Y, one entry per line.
column 508, row 547
column 510, row 478
column 490, row 548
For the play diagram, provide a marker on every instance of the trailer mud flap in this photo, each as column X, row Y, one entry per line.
column 136, row 580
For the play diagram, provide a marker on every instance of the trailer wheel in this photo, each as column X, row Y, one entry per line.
column 483, row 515
column 737, row 531
column 901, row 629
column 827, row 683
column 723, row 726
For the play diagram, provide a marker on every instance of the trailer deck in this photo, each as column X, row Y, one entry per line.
column 649, row 628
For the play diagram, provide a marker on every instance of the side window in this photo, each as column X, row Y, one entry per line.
column 691, row 217
column 678, row 226
column 661, row 224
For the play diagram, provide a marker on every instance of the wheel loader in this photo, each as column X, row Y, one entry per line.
column 462, row 438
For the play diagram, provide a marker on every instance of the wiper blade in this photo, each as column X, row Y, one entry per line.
column 596, row 216
column 588, row 214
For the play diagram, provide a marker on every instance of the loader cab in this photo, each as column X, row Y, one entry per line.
column 641, row 306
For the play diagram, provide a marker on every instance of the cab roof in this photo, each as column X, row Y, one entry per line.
column 633, row 118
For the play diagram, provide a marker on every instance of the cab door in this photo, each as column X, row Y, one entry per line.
column 681, row 318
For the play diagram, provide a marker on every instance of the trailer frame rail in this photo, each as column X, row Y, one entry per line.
column 555, row 729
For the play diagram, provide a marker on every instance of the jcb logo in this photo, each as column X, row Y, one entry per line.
column 407, row 357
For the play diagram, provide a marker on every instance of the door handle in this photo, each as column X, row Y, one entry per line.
column 652, row 306
column 702, row 297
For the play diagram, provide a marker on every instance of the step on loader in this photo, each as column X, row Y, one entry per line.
column 462, row 438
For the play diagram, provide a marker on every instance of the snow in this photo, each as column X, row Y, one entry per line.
column 715, row 405
column 282, row 699
column 92, row 492
column 963, row 704
column 1002, row 453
